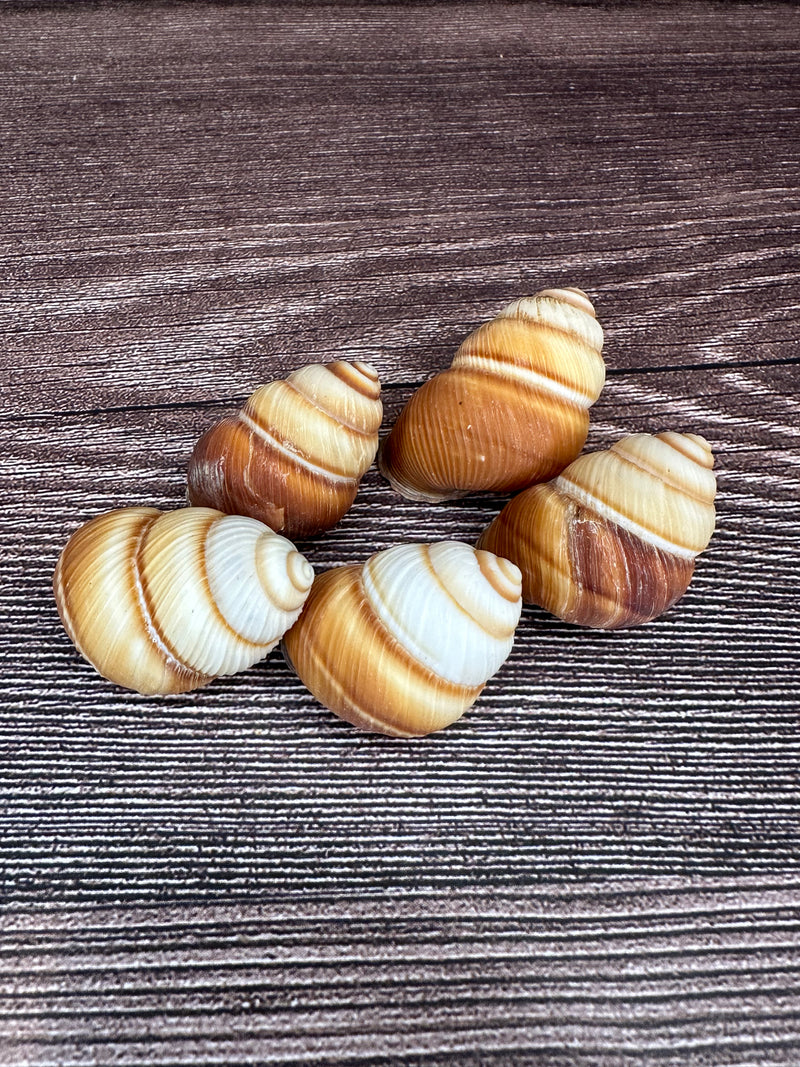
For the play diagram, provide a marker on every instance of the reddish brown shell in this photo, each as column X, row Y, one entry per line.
column 511, row 410
column 612, row 541
column 295, row 453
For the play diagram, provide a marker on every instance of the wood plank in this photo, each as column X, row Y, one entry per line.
column 203, row 211
column 607, row 973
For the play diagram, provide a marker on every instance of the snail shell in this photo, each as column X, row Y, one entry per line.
column 512, row 409
column 164, row 602
column 611, row 542
column 293, row 456
column 404, row 644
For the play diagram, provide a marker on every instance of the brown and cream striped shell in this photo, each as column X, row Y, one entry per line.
column 511, row 410
column 612, row 541
column 293, row 456
column 404, row 644
column 164, row 602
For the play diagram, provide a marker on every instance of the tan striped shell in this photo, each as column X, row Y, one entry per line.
column 511, row 410
column 164, row 602
column 293, row 456
column 611, row 542
column 404, row 644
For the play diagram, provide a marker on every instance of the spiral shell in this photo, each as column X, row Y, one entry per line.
column 164, row 602
column 512, row 409
column 404, row 644
column 293, row 456
column 612, row 541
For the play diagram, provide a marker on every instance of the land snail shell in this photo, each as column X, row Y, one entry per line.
column 293, row 456
column 163, row 602
column 612, row 541
column 511, row 410
column 404, row 644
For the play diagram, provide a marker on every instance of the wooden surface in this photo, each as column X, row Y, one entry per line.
column 599, row 863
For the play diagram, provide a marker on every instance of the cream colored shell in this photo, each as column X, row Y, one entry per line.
column 295, row 453
column 611, row 542
column 511, row 410
column 405, row 644
column 164, row 602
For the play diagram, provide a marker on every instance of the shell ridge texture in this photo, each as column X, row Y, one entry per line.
column 292, row 450
column 596, row 505
column 339, row 415
column 145, row 606
column 534, row 380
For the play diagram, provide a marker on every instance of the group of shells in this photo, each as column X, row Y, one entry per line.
column 404, row 643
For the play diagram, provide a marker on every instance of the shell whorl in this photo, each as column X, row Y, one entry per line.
column 566, row 312
column 293, row 456
column 511, row 410
column 164, row 602
column 412, row 588
column 611, row 542
column 660, row 488
column 405, row 644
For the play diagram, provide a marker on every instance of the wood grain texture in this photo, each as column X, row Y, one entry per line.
column 591, row 974
column 599, row 864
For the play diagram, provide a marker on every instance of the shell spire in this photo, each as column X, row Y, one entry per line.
column 404, row 644
column 293, row 456
column 611, row 542
column 163, row 602
column 511, row 410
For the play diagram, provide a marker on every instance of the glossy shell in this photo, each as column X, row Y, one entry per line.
column 295, row 453
column 512, row 409
column 164, row 602
column 404, row 644
column 612, row 541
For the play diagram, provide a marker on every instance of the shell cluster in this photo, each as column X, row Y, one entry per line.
column 405, row 643
column 611, row 541
column 162, row 602
column 293, row 456
column 512, row 409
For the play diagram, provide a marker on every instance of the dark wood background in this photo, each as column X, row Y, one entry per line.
column 599, row 863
